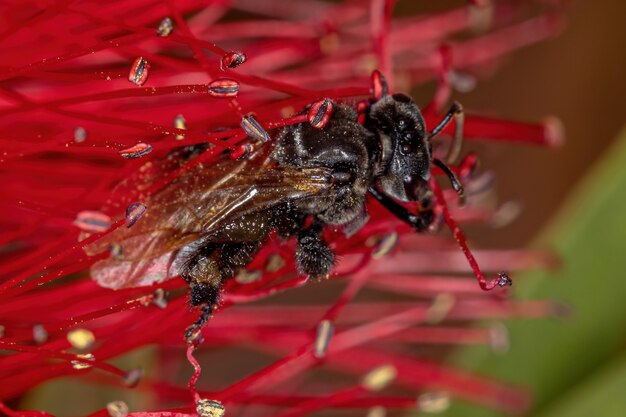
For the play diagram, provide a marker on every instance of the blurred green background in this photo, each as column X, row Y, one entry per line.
column 575, row 366
column 574, row 203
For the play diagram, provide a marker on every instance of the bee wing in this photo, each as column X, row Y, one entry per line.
column 196, row 204
column 133, row 187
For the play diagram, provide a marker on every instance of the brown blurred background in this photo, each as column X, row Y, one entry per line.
column 578, row 77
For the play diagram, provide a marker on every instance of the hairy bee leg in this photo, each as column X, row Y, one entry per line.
column 238, row 241
column 192, row 331
column 235, row 256
column 313, row 256
column 419, row 222
column 456, row 112
column 206, row 269
column 205, row 280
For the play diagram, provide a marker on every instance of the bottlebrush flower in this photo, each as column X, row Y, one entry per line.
column 93, row 93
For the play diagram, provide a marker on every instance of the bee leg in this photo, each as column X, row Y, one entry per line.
column 205, row 279
column 235, row 256
column 193, row 332
column 240, row 240
column 313, row 256
column 456, row 112
column 288, row 222
column 419, row 221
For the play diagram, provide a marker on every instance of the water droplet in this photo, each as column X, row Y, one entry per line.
column 320, row 112
column 325, row 330
column 210, row 408
column 223, row 88
column 434, row 402
column 139, row 71
column 254, row 129
column 245, row 277
column 136, row 151
column 165, row 27
column 40, row 334
column 180, row 123
column 92, row 221
column 233, row 59
column 132, row 377
column 379, row 378
column 83, row 361
column 386, row 245
column 80, row 134
column 134, row 213
column 81, row 339
column 117, row 408
column 274, row 263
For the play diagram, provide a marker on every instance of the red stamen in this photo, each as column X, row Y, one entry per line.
column 502, row 279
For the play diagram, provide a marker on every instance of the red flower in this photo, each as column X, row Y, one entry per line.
column 207, row 75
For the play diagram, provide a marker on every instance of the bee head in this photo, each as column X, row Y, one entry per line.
column 404, row 151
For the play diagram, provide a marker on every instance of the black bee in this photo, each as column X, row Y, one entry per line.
column 210, row 221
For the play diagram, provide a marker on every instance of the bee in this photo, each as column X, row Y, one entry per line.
column 209, row 222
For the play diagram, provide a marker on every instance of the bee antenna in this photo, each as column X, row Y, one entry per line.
column 454, row 181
